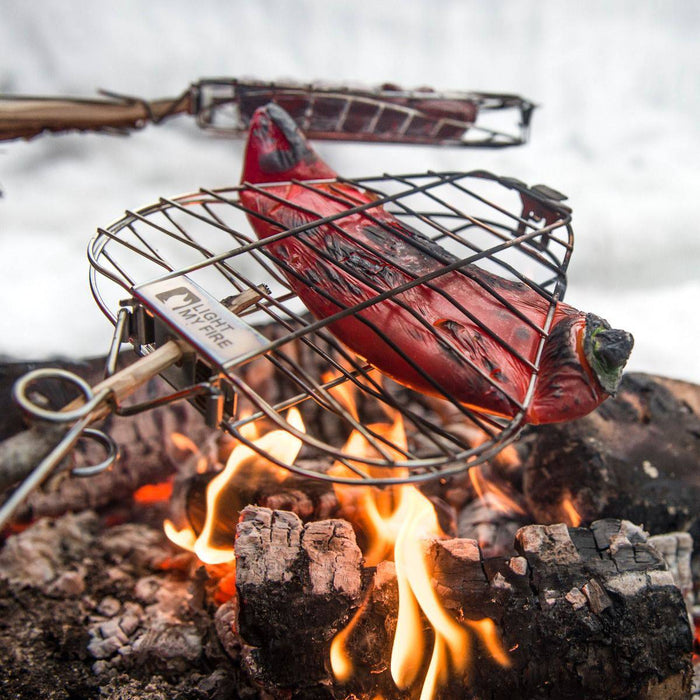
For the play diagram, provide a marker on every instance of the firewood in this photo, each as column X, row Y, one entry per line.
column 491, row 524
column 583, row 612
column 296, row 584
column 100, row 611
column 636, row 457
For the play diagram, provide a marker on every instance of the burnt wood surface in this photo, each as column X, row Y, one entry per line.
column 636, row 457
column 97, row 611
column 584, row 612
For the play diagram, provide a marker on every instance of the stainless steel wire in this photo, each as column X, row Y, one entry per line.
column 202, row 240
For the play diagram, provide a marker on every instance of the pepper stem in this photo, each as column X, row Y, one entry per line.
column 607, row 351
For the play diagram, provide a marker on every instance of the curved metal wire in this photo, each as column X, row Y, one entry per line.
column 203, row 240
column 20, row 392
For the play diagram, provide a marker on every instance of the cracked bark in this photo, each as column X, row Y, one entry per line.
column 635, row 458
column 584, row 612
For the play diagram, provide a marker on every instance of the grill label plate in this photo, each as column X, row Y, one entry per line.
column 199, row 319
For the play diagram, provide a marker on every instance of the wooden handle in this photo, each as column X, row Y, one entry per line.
column 26, row 117
column 129, row 379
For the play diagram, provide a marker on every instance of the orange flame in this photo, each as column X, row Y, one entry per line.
column 500, row 500
column 398, row 521
column 280, row 445
column 343, row 393
column 416, row 590
column 572, row 516
column 340, row 659
column 185, row 444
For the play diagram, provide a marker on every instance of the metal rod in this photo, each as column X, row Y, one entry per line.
column 45, row 467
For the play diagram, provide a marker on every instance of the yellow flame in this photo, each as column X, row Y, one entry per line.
column 250, row 431
column 501, row 500
column 340, row 659
column 184, row 538
column 280, row 445
column 182, row 442
column 488, row 634
column 343, row 393
column 412, row 572
column 399, row 521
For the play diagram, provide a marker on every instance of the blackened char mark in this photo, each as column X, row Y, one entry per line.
column 361, row 264
column 332, row 278
column 401, row 245
column 475, row 346
column 417, row 254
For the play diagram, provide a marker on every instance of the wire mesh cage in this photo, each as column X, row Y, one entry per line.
column 176, row 262
column 387, row 113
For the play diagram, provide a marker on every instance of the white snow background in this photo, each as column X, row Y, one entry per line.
column 618, row 86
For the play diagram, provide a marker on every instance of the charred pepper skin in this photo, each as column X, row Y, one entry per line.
column 426, row 337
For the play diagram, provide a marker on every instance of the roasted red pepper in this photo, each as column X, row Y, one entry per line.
column 424, row 337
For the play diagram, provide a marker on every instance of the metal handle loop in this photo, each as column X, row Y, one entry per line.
column 113, row 453
column 21, row 386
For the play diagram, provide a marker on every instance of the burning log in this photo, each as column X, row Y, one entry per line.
column 93, row 610
column 583, row 612
column 296, row 585
column 636, row 457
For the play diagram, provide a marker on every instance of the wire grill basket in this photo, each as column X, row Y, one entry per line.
column 196, row 250
column 387, row 113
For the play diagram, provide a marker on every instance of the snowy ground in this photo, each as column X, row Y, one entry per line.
column 617, row 131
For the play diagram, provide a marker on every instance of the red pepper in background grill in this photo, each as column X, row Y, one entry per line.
column 424, row 337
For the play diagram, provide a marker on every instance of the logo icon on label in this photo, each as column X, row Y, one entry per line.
column 190, row 298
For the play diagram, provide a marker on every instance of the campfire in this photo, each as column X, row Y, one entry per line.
column 408, row 482
column 283, row 587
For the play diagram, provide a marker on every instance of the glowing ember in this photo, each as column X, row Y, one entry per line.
column 154, row 493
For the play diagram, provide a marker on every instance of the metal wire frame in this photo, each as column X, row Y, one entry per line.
column 487, row 221
column 383, row 114
column 225, row 106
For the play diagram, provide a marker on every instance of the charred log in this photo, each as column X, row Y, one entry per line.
column 636, row 457
column 111, row 612
column 584, row 612
column 255, row 483
column 492, row 524
column 296, row 587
